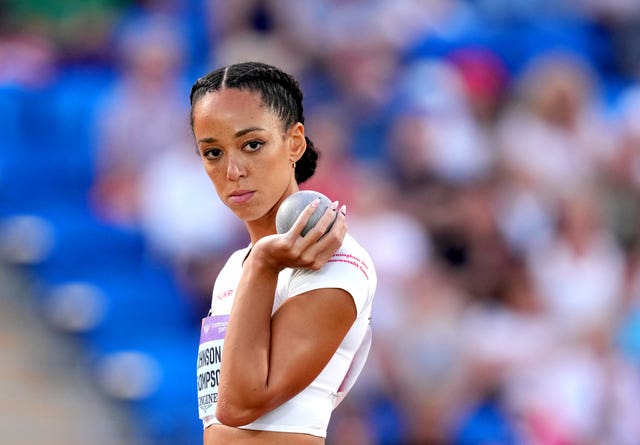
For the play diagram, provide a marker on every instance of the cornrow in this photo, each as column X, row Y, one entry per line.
column 280, row 91
column 288, row 82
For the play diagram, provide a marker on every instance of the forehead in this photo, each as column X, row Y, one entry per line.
column 232, row 106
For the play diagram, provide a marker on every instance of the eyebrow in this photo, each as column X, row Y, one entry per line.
column 239, row 133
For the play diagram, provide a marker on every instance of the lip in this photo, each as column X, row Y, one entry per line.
column 240, row 196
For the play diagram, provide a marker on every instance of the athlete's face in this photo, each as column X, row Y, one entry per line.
column 246, row 151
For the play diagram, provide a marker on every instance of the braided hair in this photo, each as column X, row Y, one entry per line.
column 279, row 91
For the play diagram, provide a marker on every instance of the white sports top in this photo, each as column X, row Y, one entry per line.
column 308, row 412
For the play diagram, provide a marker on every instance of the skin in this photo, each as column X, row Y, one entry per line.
column 267, row 359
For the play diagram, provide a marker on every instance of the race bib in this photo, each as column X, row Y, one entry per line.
column 209, row 358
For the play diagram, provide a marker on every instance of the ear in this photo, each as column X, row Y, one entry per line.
column 297, row 141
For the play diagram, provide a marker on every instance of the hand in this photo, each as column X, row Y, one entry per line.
column 311, row 251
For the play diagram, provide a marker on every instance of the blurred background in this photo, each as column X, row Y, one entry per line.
column 489, row 155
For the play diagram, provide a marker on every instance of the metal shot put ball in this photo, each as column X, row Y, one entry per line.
column 294, row 204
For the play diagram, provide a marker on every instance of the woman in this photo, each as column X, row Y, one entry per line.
column 288, row 330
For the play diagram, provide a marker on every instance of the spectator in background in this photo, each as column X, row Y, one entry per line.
column 141, row 118
column 148, row 174
column 579, row 275
column 27, row 59
column 621, row 179
column 254, row 30
column 429, row 371
column 553, row 137
column 80, row 29
column 361, row 70
column 580, row 271
column 391, row 233
column 619, row 21
column 502, row 336
column 337, row 174
column 485, row 81
column 435, row 133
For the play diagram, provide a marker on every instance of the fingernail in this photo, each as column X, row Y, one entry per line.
column 334, row 205
column 315, row 202
column 343, row 209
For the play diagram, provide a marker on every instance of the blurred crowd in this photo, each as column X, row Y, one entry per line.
column 488, row 152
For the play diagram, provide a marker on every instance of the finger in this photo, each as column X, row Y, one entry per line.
column 303, row 218
column 338, row 223
column 323, row 225
column 320, row 252
column 338, row 229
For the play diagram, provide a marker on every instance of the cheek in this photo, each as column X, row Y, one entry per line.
column 215, row 175
column 276, row 173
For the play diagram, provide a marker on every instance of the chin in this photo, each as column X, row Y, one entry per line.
column 246, row 213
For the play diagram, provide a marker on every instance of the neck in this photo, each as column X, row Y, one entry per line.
column 258, row 230
column 266, row 225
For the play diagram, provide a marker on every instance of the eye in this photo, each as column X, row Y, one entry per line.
column 254, row 145
column 212, row 153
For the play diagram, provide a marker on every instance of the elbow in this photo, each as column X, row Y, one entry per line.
column 231, row 418
column 234, row 416
column 227, row 418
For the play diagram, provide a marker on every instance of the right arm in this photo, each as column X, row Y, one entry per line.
column 269, row 359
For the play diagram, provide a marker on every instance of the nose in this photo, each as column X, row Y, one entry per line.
column 234, row 169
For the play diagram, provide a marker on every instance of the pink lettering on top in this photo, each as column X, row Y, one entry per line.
column 350, row 259
column 225, row 294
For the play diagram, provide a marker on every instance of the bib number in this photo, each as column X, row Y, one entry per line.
column 209, row 359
